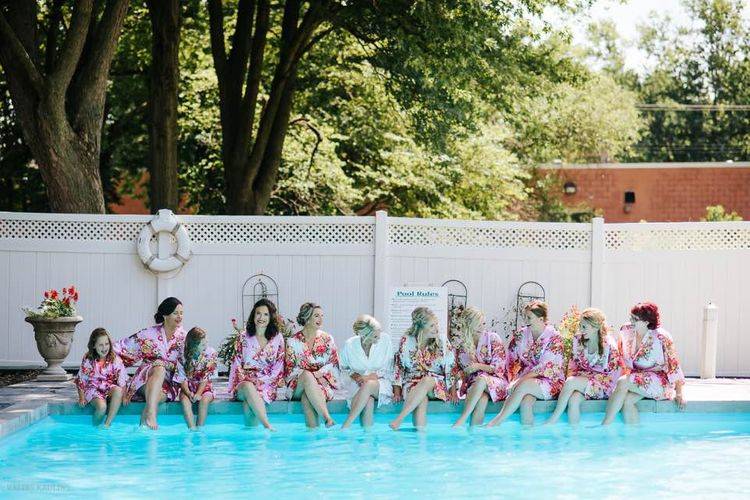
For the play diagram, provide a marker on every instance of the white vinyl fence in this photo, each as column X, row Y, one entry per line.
column 349, row 264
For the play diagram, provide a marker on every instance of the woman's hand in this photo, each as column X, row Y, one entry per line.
column 196, row 397
column 397, row 394
column 453, row 396
column 81, row 402
column 126, row 399
column 358, row 379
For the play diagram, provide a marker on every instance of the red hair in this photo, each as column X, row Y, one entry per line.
column 648, row 312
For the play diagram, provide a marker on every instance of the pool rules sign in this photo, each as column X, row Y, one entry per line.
column 404, row 299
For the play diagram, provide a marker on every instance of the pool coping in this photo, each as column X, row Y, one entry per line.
column 21, row 415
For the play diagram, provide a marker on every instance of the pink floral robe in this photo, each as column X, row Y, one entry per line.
column 97, row 378
column 150, row 348
column 654, row 368
column 322, row 360
column 489, row 351
column 602, row 371
column 412, row 364
column 264, row 368
column 204, row 368
column 542, row 358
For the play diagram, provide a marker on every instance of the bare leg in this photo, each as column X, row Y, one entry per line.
column 629, row 412
column 311, row 418
column 315, row 395
column 616, row 400
column 574, row 407
column 187, row 411
column 368, row 414
column 573, row 384
column 154, row 396
column 252, row 400
column 419, row 417
column 527, row 409
column 477, row 416
column 369, row 389
column 413, row 399
column 115, row 399
column 472, row 397
column 100, row 407
column 203, row 409
column 527, row 387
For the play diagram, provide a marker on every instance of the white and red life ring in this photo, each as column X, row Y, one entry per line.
column 165, row 221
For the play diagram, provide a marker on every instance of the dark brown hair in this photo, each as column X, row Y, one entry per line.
column 92, row 354
column 273, row 321
column 192, row 341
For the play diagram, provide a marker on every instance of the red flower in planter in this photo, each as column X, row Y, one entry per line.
column 46, row 295
column 53, row 294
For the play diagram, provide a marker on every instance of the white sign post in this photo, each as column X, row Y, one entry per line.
column 404, row 299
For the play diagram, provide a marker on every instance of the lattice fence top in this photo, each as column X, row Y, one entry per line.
column 699, row 238
column 335, row 233
column 488, row 236
column 33, row 229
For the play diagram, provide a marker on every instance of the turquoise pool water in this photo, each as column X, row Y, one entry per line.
column 667, row 455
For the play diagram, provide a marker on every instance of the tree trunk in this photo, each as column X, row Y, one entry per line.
column 165, row 73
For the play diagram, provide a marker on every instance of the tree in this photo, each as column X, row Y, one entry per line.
column 58, row 88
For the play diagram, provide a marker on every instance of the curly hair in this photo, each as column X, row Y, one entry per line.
column 419, row 319
column 648, row 312
column 273, row 319
column 470, row 320
column 598, row 320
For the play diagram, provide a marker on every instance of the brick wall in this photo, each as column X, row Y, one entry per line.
column 663, row 192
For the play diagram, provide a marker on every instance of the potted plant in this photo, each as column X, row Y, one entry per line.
column 54, row 324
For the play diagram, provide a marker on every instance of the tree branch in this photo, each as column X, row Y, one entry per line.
column 53, row 32
column 218, row 48
column 72, row 47
column 19, row 58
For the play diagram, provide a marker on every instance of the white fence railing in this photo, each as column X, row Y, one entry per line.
column 348, row 264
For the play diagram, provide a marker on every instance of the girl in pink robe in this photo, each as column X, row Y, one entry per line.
column 594, row 367
column 481, row 363
column 535, row 365
column 650, row 357
column 194, row 372
column 101, row 378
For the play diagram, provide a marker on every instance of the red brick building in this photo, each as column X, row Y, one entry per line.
column 656, row 192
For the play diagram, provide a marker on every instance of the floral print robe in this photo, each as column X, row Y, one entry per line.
column 601, row 371
column 264, row 368
column 322, row 360
column 204, row 368
column 413, row 363
column 654, row 367
column 489, row 351
column 150, row 348
column 543, row 358
column 96, row 378
column 379, row 361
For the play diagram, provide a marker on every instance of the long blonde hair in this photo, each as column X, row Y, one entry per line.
column 596, row 318
column 419, row 319
column 470, row 320
column 365, row 326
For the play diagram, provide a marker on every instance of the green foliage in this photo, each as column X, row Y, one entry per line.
column 716, row 213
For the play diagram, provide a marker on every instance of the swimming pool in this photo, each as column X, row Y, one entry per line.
column 666, row 455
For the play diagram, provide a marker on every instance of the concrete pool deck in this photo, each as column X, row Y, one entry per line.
column 27, row 402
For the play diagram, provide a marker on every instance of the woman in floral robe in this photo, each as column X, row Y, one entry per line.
column 535, row 365
column 481, row 362
column 101, row 378
column 256, row 375
column 423, row 369
column 195, row 370
column 651, row 359
column 157, row 349
column 312, row 365
column 594, row 367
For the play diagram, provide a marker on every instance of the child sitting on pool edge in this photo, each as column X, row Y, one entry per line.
column 101, row 377
column 194, row 372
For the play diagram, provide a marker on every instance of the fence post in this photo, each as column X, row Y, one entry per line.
column 708, row 348
column 597, row 262
column 380, row 276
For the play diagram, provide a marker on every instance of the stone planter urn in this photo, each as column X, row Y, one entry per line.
column 54, row 337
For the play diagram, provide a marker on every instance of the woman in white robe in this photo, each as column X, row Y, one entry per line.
column 366, row 362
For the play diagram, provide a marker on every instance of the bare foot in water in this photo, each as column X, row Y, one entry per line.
column 395, row 424
column 149, row 419
column 270, row 427
column 330, row 422
column 459, row 423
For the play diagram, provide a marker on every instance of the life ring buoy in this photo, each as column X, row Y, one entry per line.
column 165, row 221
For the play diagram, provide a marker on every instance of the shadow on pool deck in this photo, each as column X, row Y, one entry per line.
column 25, row 403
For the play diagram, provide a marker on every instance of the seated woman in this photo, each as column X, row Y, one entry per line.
column 423, row 369
column 481, row 361
column 535, row 365
column 312, row 364
column 157, row 349
column 593, row 369
column 367, row 368
column 649, row 354
column 257, row 370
